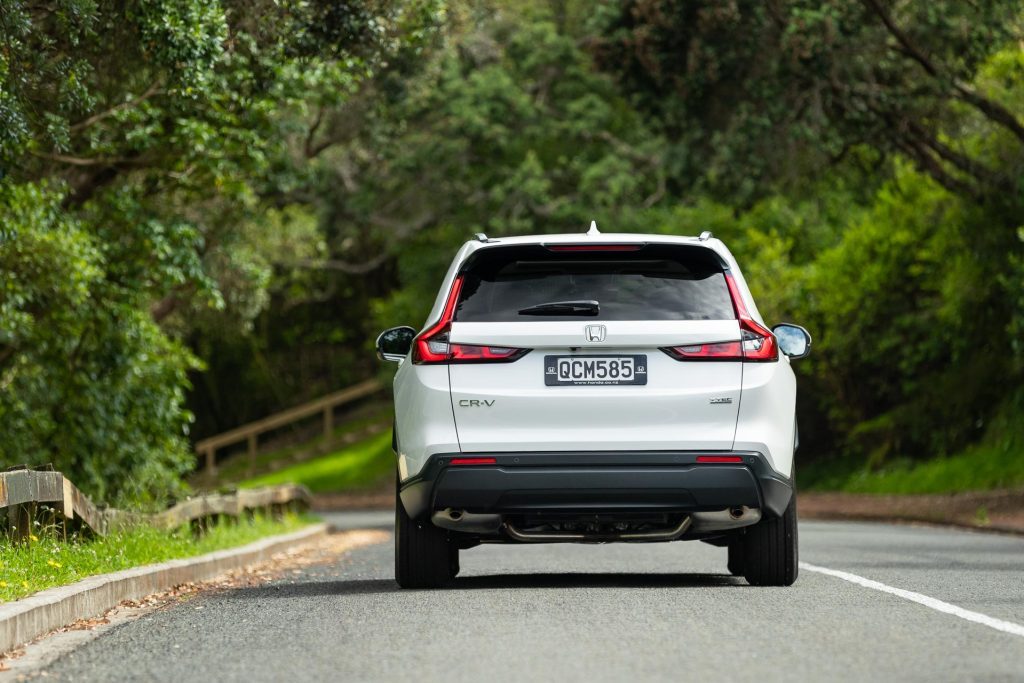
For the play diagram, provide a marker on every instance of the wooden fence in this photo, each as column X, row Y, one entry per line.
column 24, row 493
column 250, row 433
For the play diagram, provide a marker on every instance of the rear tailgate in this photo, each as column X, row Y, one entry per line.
column 556, row 397
column 509, row 407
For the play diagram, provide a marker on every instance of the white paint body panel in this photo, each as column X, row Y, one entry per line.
column 767, row 416
column 665, row 414
column 672, row 412
column 424, row 423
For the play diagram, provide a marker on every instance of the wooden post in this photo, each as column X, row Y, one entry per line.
column 211, row 463
column 20, row 517
column 328, row 422
column 253, row 447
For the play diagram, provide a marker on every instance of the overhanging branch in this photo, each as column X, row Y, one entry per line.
column 96, row 118
column 963, row 91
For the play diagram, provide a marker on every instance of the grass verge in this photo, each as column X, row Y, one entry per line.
column 980, row 468
column 362, row 465
column 46, row 560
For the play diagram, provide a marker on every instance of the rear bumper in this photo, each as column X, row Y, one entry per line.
column 597, row 482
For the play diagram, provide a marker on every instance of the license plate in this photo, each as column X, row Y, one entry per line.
column 594, row 370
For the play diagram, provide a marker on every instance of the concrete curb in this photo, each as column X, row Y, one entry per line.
column 28, row 618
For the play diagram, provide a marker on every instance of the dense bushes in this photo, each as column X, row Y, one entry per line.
column 913, row 352
column 89, row 381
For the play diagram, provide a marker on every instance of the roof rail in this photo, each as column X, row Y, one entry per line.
column 705, row 236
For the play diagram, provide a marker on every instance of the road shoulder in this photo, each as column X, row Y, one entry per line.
column 315, row 549
column 996, row 511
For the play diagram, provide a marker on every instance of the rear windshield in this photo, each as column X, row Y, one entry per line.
column 656, row 282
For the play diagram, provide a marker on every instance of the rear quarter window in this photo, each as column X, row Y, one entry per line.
column 656, row 282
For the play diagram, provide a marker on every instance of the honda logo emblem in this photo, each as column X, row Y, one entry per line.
column 595, row 333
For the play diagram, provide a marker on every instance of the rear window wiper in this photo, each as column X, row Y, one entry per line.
column 563, row 308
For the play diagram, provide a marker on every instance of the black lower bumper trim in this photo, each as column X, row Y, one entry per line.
column 538, row 483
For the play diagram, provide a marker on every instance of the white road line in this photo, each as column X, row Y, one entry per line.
column 934, row 603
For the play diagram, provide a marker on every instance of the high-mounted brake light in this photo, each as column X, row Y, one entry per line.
column 594, row 247
column 432, row 345
column 474, row 461
column 757, row 343
column 719, row 458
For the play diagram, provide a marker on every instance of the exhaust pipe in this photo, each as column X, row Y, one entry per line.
column 469, row 522
column 722, row 520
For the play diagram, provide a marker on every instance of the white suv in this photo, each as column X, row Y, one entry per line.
column 594, row 388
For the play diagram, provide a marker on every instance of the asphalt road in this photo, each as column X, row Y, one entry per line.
column 597, row 613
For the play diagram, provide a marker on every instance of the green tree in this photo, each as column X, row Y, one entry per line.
column 760, row 95
column 88, row 381
column 140, row 144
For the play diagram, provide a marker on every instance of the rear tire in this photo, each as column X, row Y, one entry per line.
column 769, row 550
column 424, row 557
column 735, row 563
column 453, row 559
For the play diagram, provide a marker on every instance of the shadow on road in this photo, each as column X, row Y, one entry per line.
column 580, row 580
column 496, row 581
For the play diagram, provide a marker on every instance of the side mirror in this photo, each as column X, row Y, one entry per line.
column 393, row 344
column 794, row 341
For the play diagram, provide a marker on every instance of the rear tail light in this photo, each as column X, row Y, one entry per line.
column 716, row 351
column 432, row 345
column 757, row 343
column 470, row 353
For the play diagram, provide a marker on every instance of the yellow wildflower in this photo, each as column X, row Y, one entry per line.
column 52, row 563
column 33, row 537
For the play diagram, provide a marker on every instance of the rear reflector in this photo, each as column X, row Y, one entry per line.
column 719, row 458
column 474, row 461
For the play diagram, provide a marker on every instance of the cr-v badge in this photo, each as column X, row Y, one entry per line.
column 595, row 333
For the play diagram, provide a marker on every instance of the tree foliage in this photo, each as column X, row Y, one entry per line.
column 765, row 93
column 208, row 209
column 89, row 381
column 139, row 142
